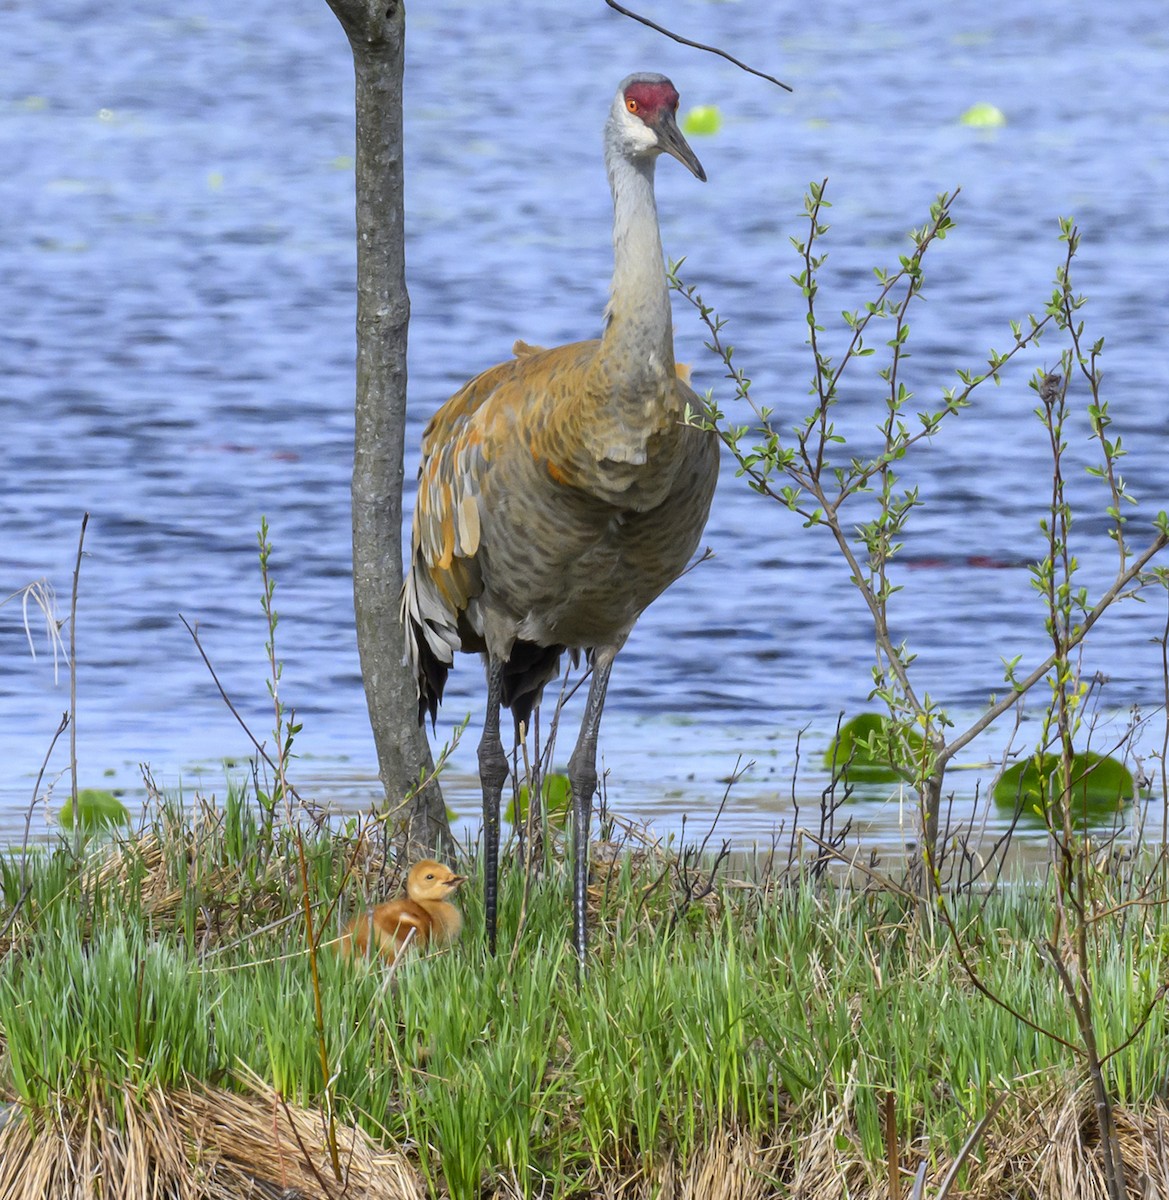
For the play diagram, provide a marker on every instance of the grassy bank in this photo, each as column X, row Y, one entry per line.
column 798, row 1038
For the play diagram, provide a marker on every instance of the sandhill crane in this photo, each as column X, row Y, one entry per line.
column 562, row 491
column 425, row 915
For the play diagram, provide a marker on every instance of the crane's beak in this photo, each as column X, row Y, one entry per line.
column 671, row 141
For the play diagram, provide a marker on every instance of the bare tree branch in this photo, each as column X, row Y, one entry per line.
column 677, row 37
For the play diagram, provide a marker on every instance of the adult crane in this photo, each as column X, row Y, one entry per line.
column 562, row 491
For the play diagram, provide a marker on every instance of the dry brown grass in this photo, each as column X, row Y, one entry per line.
column 207, row 1144
column 183, row 853
column 731, row 1167
column 1050, row 1156
column 202, row 1144
column 1037, row 1149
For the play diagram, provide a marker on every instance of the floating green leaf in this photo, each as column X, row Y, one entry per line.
column 557, row 793
column 983, row 116
column 97, row 810
column 1100, row 786
column 702, row 120
column 863, row 747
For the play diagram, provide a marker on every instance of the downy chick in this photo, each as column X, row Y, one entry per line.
column 425, row 910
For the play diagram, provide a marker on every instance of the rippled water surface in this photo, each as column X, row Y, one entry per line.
column 176, row 353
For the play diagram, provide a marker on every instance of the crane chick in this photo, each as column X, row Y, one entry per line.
column 560, row 492
column 425, row 910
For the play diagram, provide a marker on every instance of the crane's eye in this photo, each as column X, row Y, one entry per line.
column 431, row 875
column 631, row 104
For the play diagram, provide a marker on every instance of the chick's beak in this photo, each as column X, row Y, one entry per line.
column 454, row 881
column 672, row 142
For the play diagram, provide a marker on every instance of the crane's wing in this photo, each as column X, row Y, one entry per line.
column 480, row 424
column 443, row 575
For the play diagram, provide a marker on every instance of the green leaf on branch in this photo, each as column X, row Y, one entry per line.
column 872, row 749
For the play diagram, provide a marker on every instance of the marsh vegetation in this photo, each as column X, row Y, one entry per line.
column 773, row 1030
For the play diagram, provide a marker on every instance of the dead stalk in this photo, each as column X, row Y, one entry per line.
column 73, row 686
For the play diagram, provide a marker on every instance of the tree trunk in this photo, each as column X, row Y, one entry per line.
column 377, row 36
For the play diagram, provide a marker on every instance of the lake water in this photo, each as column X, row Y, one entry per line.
column 176, row 357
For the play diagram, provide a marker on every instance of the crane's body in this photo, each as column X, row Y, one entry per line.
column 564, row 541
column 562, row 491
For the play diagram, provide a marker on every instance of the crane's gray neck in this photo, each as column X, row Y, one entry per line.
column 639, row 335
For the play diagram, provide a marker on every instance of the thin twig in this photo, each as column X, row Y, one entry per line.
column 25, row 892
column 969, row 1145
column 350, row 868
column 304, row 1150
column 535, row 787
column 283, row 734
column 882, row 881
column 1165, row 753
column 36, row 792
column 892, row 1146
column 696, row 45
column 1146, row 1016
column 73, row 688
column 317, row 818
column 739, row 771
column 990, row 994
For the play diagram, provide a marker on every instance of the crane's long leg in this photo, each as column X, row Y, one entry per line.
column 492, row 776
column 582, row 775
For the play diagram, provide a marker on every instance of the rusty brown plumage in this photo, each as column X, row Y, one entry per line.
column 531, row 499
column 561, row 491
column 423, row 917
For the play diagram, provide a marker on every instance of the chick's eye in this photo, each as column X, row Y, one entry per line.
column 631, row 104
column 430, row 876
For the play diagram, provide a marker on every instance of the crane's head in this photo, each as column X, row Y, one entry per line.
column 642, row 121
column 430, row 880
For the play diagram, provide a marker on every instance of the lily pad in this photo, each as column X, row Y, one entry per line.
column 97, row 809
column 702, row 120
column 557, row 794
column 983, row 116
column 862, row 747
column 1100, row 786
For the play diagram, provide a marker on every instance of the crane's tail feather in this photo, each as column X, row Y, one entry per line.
column 431, row 683
column 431, row 641
column 528, row 668
column 433, row 633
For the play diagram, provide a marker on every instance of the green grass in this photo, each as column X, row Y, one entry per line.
column 759, row 1013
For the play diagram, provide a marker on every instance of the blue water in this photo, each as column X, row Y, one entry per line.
column 176, row 356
